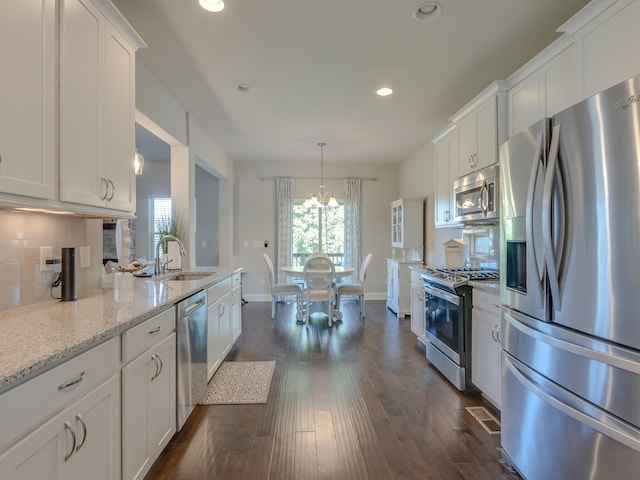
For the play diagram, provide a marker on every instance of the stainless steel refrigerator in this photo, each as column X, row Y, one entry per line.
column 570, row 290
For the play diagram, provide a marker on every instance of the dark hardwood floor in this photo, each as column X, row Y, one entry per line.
column 355, row 401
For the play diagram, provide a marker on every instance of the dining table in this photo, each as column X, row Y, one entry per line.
column 297, row 271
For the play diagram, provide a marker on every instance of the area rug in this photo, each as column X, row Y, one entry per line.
column 240, row 383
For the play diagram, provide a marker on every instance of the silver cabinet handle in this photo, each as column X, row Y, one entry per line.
column 233, row 299
column 106, row 188
column 220, row 309
column 493, row 333
column 71, row 383
column 113, row 189
column 67, row 426
column 155, row 330
column 155, row 375
column 161, row 365
column 84, row 431
column 498, row 333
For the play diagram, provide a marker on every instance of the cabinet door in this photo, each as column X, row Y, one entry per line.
column 162, row 409
column 485, row 354
column 28, row 96
column 119, row 139
column 236, row 313
column 50, row 451
column 444, row 171
column 96, row 420
column 81, row 103
column 486, row 134
column 219, row 337
column 148, row 407
column 525, row 104
column 466, row 144
column 41, row 454
column 417, row 310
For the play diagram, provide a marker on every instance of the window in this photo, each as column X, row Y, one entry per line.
column 159, row 220
column 318, row 229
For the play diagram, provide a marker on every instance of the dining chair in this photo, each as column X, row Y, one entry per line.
column 283, row 289
column 355, row 289
column 318, row 276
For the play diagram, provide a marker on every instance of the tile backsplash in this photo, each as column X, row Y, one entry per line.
column 22, row 235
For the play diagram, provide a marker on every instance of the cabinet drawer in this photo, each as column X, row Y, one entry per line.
column 236, row 279
column 142, row 337
column 35, row 400
column 486, row 301
column 217, row 291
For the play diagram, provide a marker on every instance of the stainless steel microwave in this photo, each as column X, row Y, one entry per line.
column 477, row 198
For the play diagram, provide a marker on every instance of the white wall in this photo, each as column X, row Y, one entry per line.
column 416, row 179
column 154, row 181
column 207, row 223
column 255, row 216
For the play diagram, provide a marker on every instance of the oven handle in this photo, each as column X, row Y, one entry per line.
column 436, row 292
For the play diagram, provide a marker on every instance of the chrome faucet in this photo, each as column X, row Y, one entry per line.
column 159, row 267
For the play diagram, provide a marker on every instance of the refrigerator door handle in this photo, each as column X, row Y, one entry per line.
column 547, row 235
column 628, row 438
column 533, row 180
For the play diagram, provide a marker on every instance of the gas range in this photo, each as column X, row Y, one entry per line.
column 452, row 278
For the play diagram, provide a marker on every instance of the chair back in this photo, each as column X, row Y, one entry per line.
column 318, row 254
column 319, row 272
column 272, row 276
column 363, row 268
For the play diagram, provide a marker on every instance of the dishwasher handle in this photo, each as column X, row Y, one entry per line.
column 193, row 307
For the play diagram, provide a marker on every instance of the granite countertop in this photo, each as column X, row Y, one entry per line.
column 40, row 336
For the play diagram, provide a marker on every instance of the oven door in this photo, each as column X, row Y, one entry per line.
column 444, row 322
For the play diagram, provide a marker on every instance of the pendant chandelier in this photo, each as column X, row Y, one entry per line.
column 320, row 198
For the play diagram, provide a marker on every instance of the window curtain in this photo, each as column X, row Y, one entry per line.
column 352, row 224
column 284, row 224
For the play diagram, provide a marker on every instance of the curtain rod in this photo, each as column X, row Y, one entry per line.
column 370, row 179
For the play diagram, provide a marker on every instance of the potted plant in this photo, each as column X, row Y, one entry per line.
column 171, row 225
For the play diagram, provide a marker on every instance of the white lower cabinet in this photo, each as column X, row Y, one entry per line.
column 236, row 312
column 485, row 345
column 148, row 407
column 398, row 286
column 418, row 324
column 82, row 441
column 219, row 333
column 225, row 320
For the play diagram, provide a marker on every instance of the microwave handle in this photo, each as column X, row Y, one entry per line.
column 484, row 198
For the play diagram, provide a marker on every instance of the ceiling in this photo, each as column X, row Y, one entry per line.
column 313, row 68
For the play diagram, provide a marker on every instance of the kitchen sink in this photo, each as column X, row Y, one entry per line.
column 190, row 276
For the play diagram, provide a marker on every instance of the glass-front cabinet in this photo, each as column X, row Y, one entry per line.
column 407, row 222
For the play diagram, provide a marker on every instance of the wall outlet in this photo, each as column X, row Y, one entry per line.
column 45, row 252
column 257, row 244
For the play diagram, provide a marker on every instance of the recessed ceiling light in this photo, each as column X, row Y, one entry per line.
column 244, row 87
column 427, row 11
column 384, row 91
column 212, row 5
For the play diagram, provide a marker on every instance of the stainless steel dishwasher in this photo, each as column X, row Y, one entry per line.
column 192, row 354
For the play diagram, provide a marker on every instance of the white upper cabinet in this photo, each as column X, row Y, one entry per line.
column 97, row 109
column 481, row 127
column 28, row 98
column 609, row 45
column 407, row 219
column 445, row 150
column 543, row 93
